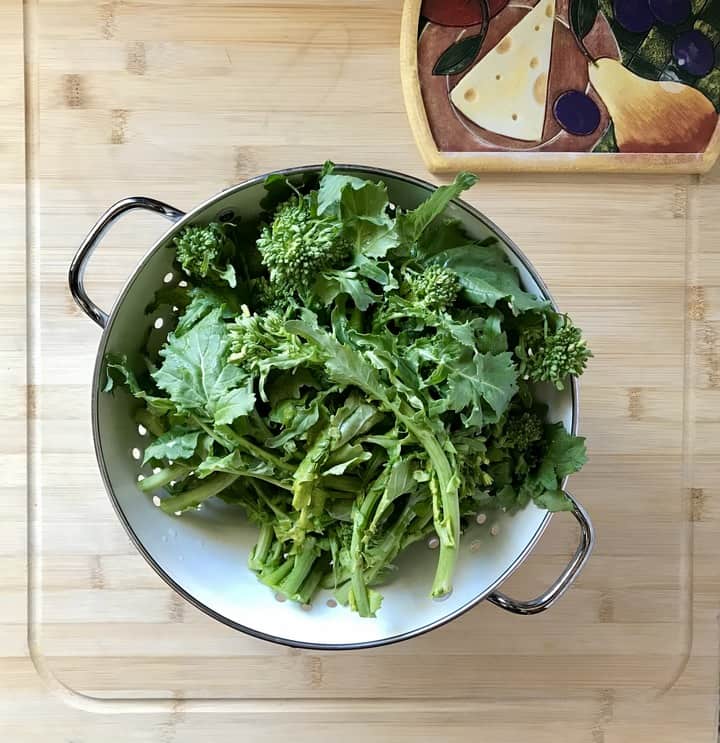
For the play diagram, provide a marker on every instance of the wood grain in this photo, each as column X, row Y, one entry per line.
column 178, row 100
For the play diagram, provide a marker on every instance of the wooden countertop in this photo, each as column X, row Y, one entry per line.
column 178, row 100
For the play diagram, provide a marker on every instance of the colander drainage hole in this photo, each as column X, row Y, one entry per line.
column 168, row 277
column 136, row 453
column 141, row 429
column 331, row 603
column 158, row 323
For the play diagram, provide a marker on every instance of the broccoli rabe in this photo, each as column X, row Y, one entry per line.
column 553, row 352
column 367, row 382
column 204, row 252
column 298, row 244
column 436, row 287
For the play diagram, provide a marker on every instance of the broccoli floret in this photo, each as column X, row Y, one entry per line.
column 299, row 244
column 271, row 296
column 522, row 431
column 436, row 287
column 204, row 252
column 553, row 353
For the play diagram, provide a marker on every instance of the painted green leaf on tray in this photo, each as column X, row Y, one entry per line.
column 582, row 16
column 459, row 56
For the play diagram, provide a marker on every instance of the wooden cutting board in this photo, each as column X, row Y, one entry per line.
column 178, row 100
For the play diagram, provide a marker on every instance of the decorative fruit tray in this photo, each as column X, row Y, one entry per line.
column 563, row 84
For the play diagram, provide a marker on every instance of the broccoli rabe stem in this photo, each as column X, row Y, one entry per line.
column 302, row 565
column 164, row 477
column 228, row 438
column 274, row 576
column 361, row 519
column 447, row 518
column 260, row 552
column 311, row 583
column 211, row 486
column 151, row 422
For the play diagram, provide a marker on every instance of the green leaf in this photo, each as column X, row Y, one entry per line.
column 234, row 404
column 330, row 192
column 487, row 276
column 564, row 455
column 412, row 224
column 331, row 284
column 482, row 377
column 179, row 442
column 459, row 56
column 118, row 370
column 554, row 500
column 196, row 374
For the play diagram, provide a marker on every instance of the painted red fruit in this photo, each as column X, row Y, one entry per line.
column 459, row 12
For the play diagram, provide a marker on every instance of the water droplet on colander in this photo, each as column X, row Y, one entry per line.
column 444, row 597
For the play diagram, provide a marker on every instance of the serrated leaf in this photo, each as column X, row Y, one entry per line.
column 196, row 375
column 483, row 377
column 486, row 276
column 179, row 442
column 564, row 455
column 554, row 500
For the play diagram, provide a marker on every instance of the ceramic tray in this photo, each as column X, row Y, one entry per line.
column 629, row 85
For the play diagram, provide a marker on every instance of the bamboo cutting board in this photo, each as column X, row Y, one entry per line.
column 178, row 100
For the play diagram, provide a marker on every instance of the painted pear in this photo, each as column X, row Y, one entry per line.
column 652, row 115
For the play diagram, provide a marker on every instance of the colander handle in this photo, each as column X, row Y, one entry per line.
column 76, row 274
column 549, row 597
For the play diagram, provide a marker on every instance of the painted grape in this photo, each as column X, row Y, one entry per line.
column 694, row 52
column 634, row 15
column 670, row 12
column 576, row 113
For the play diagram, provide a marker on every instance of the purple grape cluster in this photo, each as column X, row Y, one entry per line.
column 692, row 50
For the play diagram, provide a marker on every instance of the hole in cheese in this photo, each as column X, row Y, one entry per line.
column 539, row 88
column 537, row 28
column 497, row 77
column 504, row 45
column 470, row 94
column 549, row 11
column 514, row 117
column 534, row 62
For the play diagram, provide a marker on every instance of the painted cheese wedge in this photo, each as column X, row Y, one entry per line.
column 506, row 91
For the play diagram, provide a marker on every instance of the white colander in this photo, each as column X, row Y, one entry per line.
column 203, row 555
